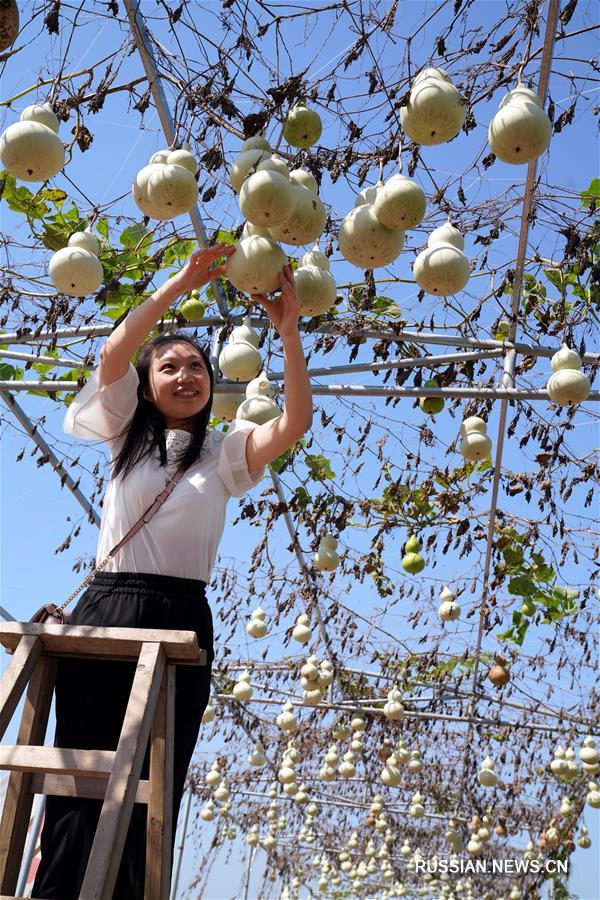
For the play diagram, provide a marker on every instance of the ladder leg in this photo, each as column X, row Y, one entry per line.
column 107, row 849
column 160, row 807
column 14, row 681
column 19, row 799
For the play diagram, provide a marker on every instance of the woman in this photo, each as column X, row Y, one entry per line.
column 154, row 417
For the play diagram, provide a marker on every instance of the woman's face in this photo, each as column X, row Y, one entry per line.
column 178, row 384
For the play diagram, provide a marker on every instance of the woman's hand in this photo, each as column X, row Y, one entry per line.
column 197, row 271
column 285, row 311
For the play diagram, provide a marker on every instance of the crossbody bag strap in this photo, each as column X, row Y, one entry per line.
column 143, row 520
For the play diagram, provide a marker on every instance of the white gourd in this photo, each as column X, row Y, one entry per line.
column 559, row 764
column 568, row 386
column 225, row 406
column 86, row 240
column 435, row 111
column 415, row 764
column 566, row 807
column 160, row 157
column 416, row 808
column 75, row 271
column 446, row 234
column 209, row 714
column 258, row 410
column 400, row 204
column 249, row 229
column 347, row 769
column 449, row 610
column 474, row 847
column 302, row 632
column 327, row 773
column 286, row 774
column 245, row 332
column 486, row 775
column 401, row 753
column 266, row 199
column 222, row 792
column 208, row 811
column 213, row 776
column 244, row 165
column 303, row 126
column 286, row 720
column 255, row 266
column 307, row 221
column 183, row 157
column 368, row 195
column 326, row 558
column 315, row 257
column 341, row 731
column 326, row 674
column 312, row 697
column 31, row 150
column 442, row 268
column 256, row 142
column 316, row 290
column 239, row 360
column 41, row 113
column 242, row 689
column 139, row 188
column 593, row 795
column 358, row 723
column 476, row 443
column 390, row 774
column 331, row 757
column 572, row 770
column 172, row 191
column 393, row 710
column 304, row 179
column 365, row 242
column 274, row 164
column 589, row 754
column 310, row 669
column 261, row 387
column 291, row 789
column 520, row 131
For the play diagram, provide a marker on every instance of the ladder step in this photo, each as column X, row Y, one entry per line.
column 57, row 760
column 81, row 786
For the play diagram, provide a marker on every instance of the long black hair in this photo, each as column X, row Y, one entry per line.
column 145, row 432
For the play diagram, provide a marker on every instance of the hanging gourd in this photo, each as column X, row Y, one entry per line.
column 273, row 163
column 255, row 266
column 316, row 290
column 416, row 809
column 448, row 610
column 327, row 773
column 412, row 561
column 568, row 386
column 302, row 632
column 326, row 674
column 435, row 111
column 261, row 387
column 315, row 257
column 302, row 795
column 593, row 795
column 31, row 149
column 498, row 674
column 208, row 811
column 256, row 142
column 193, row 308
column 9, row 24
column 183, row 157
column 213, row 776
column 310, row 682
column 209, row 713
column 239, row 360
column 405, row 850
column 249, row 229
column 454, row 837
column 566, row 807
column 286, row 720
column 365, row 242
column 326, row 557
column 287, row 773
column 225, row 406
column 307, row 219
column 487, row 775
column 401, row 752
column 520, row 131
column 257, row 758
column 222, row 792
column 341, row 730
column 304, row 179
column 415, row 763
column 246, row 163
column 356, row 744
column 475, row 443
column 474, row 847
column 358, row 724
column 75, row 269
column 242, row 689
column 393, row 710
column 442, row 268
column 267, row 197
column 390, row 774
column 432, row 405
column 303, row 126
column 368, row 194
column 257, row 627
column 165, row 188
column 400, row 203
column 347, row 769
column 258, row 407
column 584, row 840
column 590, row 756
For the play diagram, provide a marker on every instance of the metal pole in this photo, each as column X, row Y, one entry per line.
column 179, row 856
column 37, row 819
column 249, row 864
column 408, row 362
column 142, row 40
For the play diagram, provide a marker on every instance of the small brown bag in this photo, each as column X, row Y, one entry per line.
column 50, row 613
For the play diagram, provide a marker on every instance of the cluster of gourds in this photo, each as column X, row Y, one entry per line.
column 315, row 679
column 167, row 186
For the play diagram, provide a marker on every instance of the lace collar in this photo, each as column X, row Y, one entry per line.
column 176, row 442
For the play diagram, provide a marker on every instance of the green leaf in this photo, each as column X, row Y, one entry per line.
column 592, row 192
column 178, row 252
column 319, row 466
column 54, row 195
column 7, row 373
column 521, row 586
column 114, row 312
column 102, row 226
column 303, row 498
column 132, row 235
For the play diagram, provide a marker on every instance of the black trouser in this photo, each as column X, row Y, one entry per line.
column 91, row 699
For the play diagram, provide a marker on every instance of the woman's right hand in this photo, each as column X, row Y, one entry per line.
column 197, row 271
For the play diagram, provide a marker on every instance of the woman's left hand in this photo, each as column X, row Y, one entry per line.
column 285, row 311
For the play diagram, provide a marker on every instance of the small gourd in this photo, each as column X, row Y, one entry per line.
column 208, row 811
column 302, row 632
column 307, row 220
column 183, row 157
column 31, row 149
column 222, row 792
column 327, row 773
column 304, row 179
column 246, row 163
column 225, row 406
column 316, row 289
column 498, row 674
column 365, row 242
column 400, row 203
column 401, row 752
column 356, row 744
column 476, row 443
column 75, row 269
column 412, row 561
column 261, row 387
column 589, row 754
column 568, row 386
column 572, row 768
column 390, row 774
column 303, row 126
column 405, row 850
column 347, row 769
column 287, row 773
column 257, row 627
column 584, row 839
column 302, row 795
column 416, row 763
column 416, row 809
column 242, row 689
column 393, row 710
column 332, row 758
column 326, row 557
column 209, row 713
column 286, row 720
column 256, row 142
column 566, row 807
column 432, row 405
column 487, row 775
column 341, row 730
column 315, row 257
column 257, row 758
column 239, row 360
column 213, row 776
column 326, row 674
column 358, row 724
column 172, row 190
column 448, row 610
column 255, row 266
column 266, row 198
column 253, row 837
column 273, row 164
column 258, row 406
column 593, row 795
column 368, row 194
column 442, row 268
column 474, row 847
column 435, row 111
column 520, row 131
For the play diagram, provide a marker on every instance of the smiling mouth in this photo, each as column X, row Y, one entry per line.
column 187, row 395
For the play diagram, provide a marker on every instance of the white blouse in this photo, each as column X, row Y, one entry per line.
column 183, row 536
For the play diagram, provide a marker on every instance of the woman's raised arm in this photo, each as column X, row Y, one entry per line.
column 129, row 336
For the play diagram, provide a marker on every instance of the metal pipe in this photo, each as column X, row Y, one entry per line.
column 180, row 848
column 142, row 40
column 407, row 363
column 45, row 360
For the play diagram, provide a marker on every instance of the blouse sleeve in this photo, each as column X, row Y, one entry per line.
column 100, row 413
column 233, row 468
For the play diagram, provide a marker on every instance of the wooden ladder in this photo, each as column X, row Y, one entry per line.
column 111, row 775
